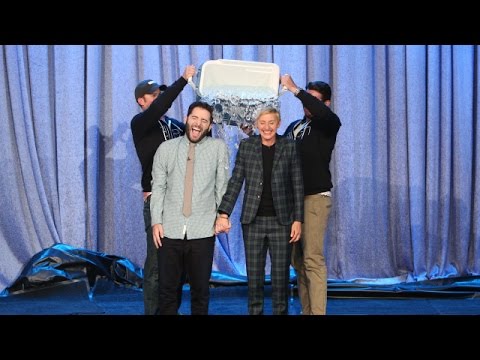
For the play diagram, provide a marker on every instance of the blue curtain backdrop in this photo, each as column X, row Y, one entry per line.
column 406, row 191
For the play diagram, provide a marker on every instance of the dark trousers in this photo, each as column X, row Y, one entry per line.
column 265, row 233
column 193, row 257
column 150, row 269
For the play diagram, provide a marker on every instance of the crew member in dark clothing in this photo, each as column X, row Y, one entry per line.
column 316, row 135
column 149, row 129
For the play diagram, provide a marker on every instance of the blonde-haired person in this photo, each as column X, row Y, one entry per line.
column 272, row 212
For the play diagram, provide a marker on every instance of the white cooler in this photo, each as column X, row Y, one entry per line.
column 238, row 75
column 238, row 89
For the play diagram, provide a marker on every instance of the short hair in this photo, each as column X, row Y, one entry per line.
column 203, row 105
column 322, row 87
column 269, row 110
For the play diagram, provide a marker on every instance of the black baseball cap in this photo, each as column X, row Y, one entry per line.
column 147, row 87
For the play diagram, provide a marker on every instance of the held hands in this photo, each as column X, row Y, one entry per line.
column 189, row 72
column 222, row 224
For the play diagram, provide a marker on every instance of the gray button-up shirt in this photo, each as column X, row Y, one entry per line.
column 210, row 178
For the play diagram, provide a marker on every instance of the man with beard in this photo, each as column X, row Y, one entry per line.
column 189, row 178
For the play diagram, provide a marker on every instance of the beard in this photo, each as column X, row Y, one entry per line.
column 201, row 136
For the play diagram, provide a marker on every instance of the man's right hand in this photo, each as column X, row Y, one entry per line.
column 189, row 72
column 157, row 231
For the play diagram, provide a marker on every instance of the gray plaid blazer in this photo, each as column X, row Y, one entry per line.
column 287, row 181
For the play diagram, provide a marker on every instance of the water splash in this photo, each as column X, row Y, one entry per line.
column 237, row 105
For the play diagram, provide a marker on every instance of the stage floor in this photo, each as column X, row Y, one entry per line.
column 75, row 298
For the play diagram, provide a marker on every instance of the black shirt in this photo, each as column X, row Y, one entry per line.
column 266, row 202
column 148, row 132
column 316, row 141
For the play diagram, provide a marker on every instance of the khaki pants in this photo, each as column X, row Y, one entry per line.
column 308, row 257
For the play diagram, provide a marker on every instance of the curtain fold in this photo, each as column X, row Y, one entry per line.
column 405, row 168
